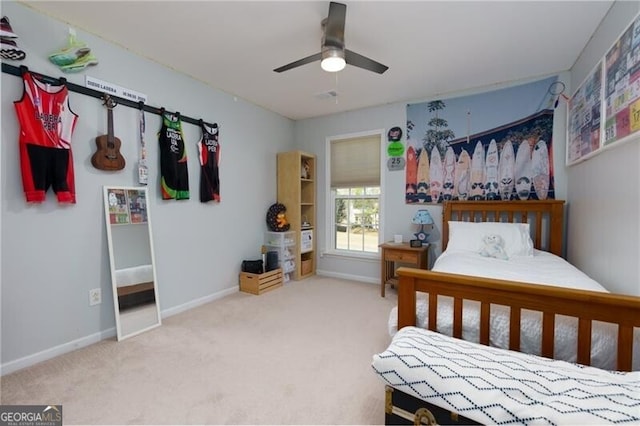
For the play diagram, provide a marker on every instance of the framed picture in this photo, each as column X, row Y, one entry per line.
column 584, row 124
column 622, row 86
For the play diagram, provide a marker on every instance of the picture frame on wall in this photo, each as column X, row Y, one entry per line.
column 622, row 86
column 584, row 123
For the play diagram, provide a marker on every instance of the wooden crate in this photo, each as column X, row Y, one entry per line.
column 261, row 283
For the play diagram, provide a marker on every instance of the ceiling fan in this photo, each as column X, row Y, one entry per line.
column 333, row 55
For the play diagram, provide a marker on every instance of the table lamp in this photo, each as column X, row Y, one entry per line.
column 422, row 218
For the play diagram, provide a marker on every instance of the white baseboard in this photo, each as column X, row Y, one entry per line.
column 348, row 277
column 46, row 354
column 197, row 302
column 82, row 342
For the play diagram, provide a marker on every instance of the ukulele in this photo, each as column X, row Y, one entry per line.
column 108, row 156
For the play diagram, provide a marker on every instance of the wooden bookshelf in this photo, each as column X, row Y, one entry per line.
column 297, row 191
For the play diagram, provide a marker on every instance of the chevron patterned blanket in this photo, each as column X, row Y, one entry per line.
column 498, row 386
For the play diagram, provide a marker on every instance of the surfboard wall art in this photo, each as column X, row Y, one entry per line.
column 477, row 173
column 506, row 170
column 462, row 175
column 491, row 172
column 411, row 176
column 500, row 170
column 540, row 169
column 449, row 174
column 423, row 177
column 496, row 145
column 523, row 170
column 436, row 175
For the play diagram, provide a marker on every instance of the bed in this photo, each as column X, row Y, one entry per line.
column 503, row 312
column 135, row 286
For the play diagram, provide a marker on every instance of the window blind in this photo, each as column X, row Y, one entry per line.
column 355, row 162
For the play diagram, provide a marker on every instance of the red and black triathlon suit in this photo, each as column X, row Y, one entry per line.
column 46, row 125
column 209, row 154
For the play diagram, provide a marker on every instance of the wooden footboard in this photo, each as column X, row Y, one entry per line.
column 586, row 306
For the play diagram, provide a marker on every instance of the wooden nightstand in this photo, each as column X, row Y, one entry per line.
column 401, row 253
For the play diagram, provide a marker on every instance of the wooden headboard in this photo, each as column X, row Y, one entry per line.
column 546, row 218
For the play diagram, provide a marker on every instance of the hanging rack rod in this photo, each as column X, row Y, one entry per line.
column 17, row 71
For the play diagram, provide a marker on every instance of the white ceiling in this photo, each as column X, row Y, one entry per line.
column 431, row 47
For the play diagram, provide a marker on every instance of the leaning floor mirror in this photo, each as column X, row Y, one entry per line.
column 133, row 272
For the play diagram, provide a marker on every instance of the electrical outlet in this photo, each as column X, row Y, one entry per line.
column 95, row 296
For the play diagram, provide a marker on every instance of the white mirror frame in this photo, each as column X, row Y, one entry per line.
column 121, row 214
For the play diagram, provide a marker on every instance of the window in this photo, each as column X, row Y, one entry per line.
column 357, row 218
column 355, row 194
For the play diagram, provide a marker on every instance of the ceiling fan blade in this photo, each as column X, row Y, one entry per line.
column 357, row 60
column 300, row 62
column 334, row 30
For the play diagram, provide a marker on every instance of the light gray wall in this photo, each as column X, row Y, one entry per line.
column 53, row 254
column 311, row 135
column 604, row 194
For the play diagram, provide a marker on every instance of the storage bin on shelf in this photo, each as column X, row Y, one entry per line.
column 306, row 266
column 284, row 244
column 306, row 241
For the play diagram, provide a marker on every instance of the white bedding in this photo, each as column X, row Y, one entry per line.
column 541, row 268
column 134, row 275
column 496, row 386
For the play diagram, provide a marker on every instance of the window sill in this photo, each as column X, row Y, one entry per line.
column 343, row 254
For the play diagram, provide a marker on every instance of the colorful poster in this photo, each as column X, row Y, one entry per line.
column 137, row 206
column 584, row 123
column 118, row 211
column 490, row 146
column 622, row 86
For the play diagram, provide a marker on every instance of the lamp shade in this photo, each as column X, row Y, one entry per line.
column 422, row 217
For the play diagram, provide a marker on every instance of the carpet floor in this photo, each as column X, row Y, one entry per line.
column 300, row 354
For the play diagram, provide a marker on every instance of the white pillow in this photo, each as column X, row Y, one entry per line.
column 467, row 236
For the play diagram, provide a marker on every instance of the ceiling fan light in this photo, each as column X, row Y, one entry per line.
column 333, row 64
column 333, row 60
